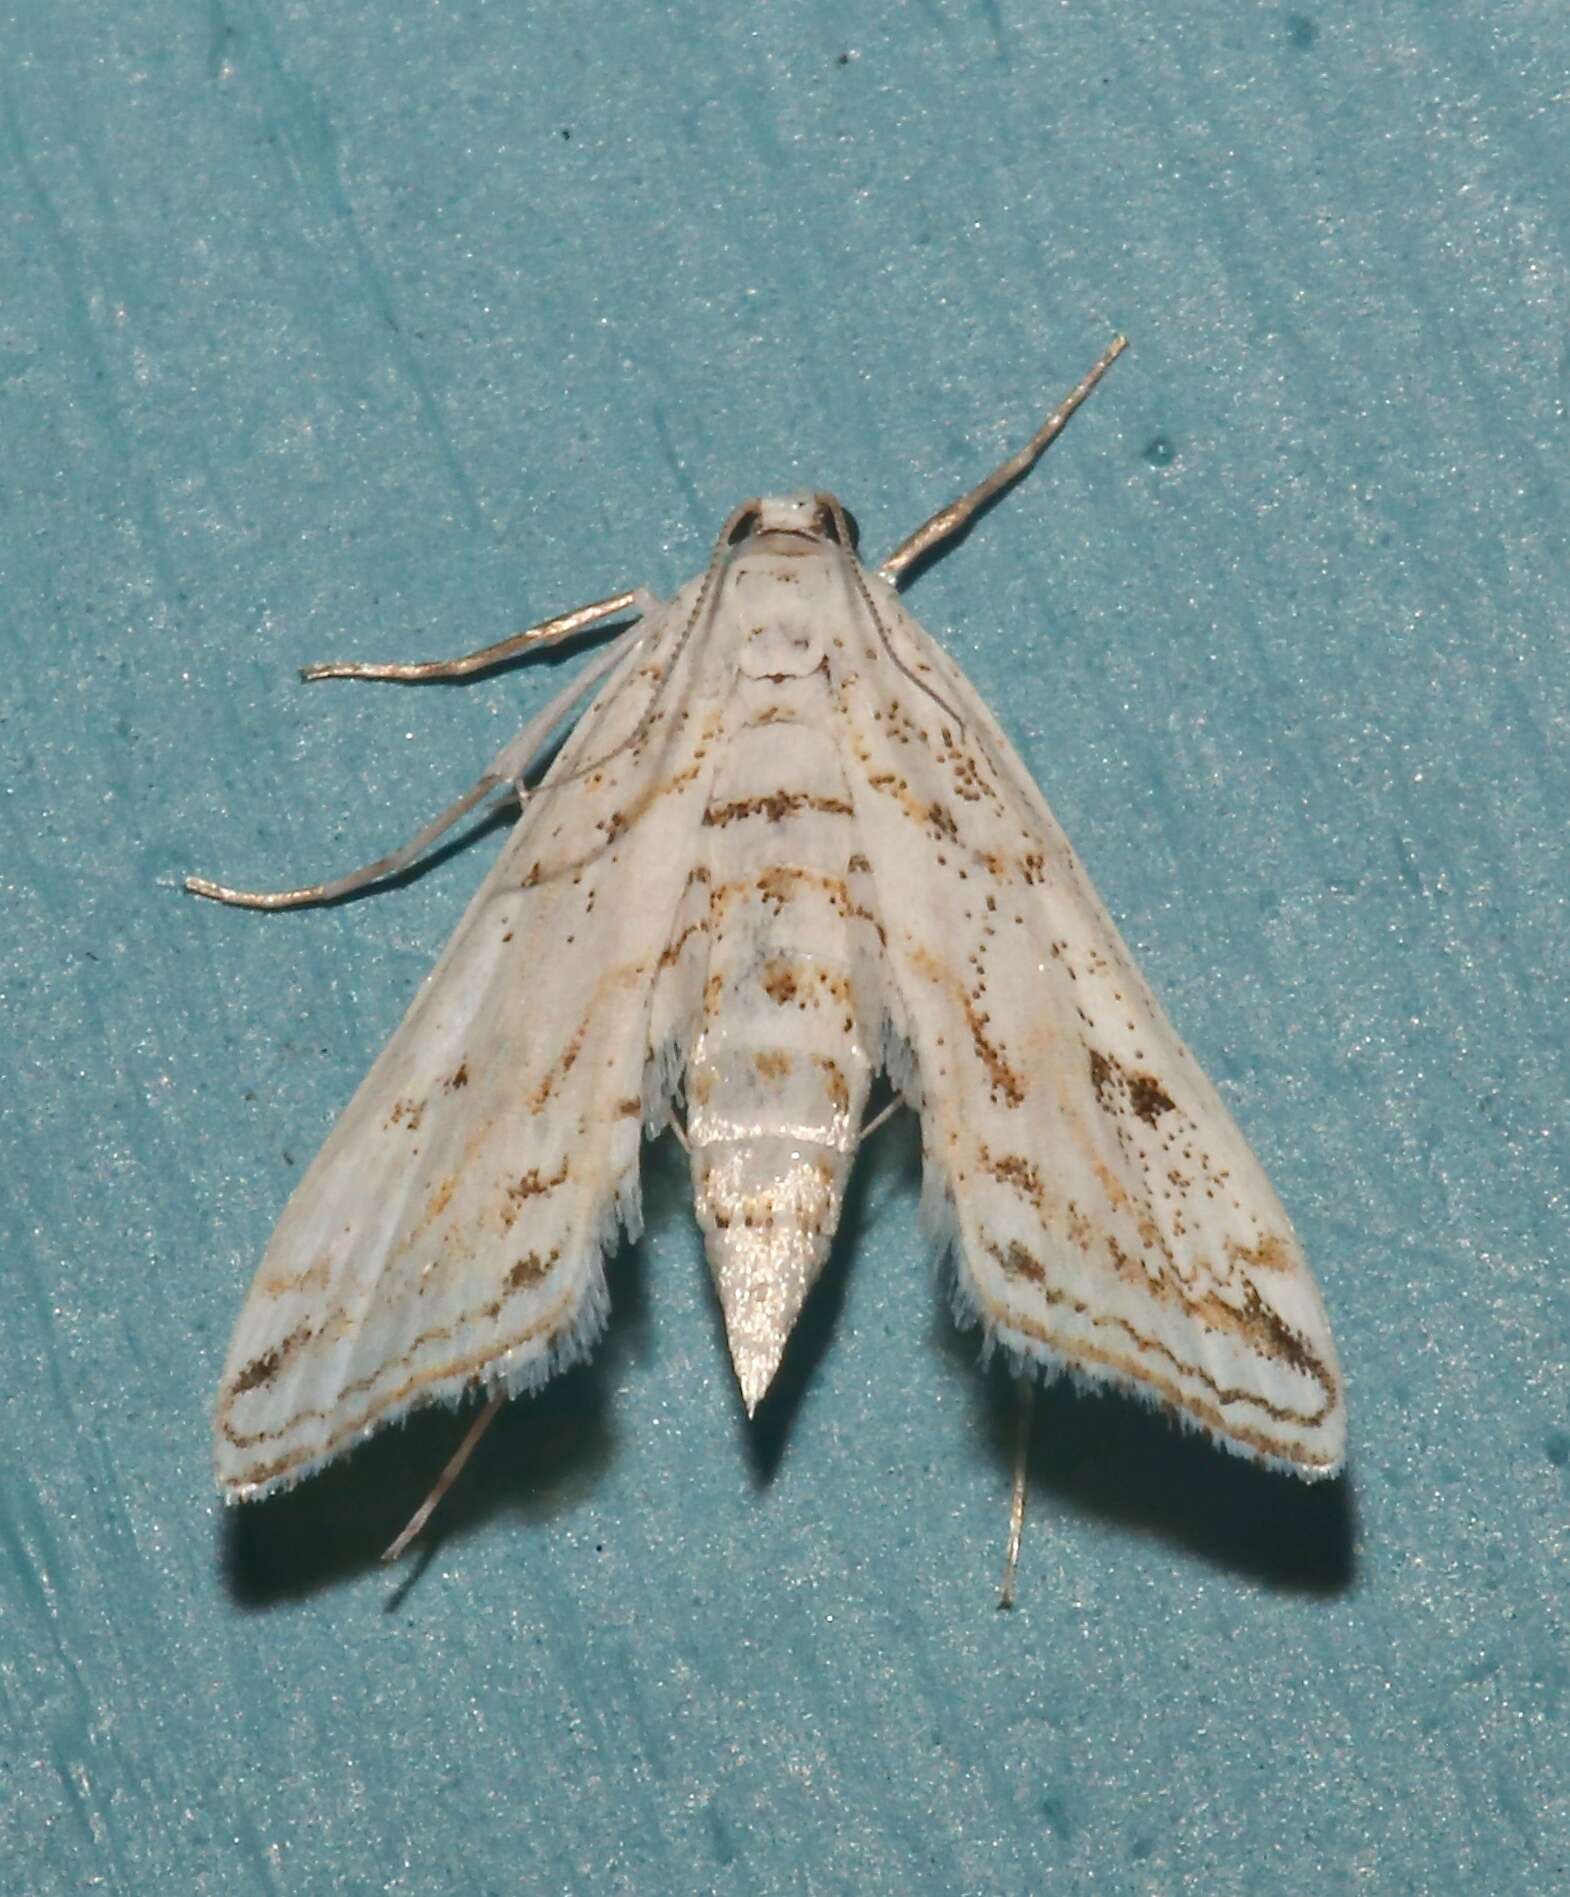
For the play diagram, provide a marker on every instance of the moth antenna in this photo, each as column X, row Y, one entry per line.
column 887, row 643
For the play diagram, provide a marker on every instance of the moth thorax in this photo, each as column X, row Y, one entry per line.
column 782, row 648
column 780, row 620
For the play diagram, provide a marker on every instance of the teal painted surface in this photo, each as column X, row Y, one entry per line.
column 378, row 330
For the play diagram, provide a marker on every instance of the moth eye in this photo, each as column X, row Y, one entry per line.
column 745, row 527
column 828, row 524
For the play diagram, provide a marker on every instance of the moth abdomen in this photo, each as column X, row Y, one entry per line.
column 783, row 1057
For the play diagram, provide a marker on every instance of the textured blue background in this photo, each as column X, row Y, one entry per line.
column 378, row 329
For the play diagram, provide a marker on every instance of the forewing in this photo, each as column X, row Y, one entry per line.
column 450, row 1231
column 1108, row 1215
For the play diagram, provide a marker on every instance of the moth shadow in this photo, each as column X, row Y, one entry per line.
column 894, row 1161
column 1122, row 1462
column 539, row 1459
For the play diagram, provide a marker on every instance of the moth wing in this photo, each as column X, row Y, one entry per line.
column 1108, row 1215
column 450, row 1231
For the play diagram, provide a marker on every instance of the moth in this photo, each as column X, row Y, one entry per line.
column 786, row 848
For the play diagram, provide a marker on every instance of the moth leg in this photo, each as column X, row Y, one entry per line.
column 548, row 632
column 356, row 879
column 959, row 514
column 448, row 1476
column 1026, row 1385
column 507, row 771
column 871, row 1126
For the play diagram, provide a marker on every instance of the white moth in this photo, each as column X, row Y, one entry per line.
column 785, row 848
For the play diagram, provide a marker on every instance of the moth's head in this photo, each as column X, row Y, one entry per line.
column 808, row 519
